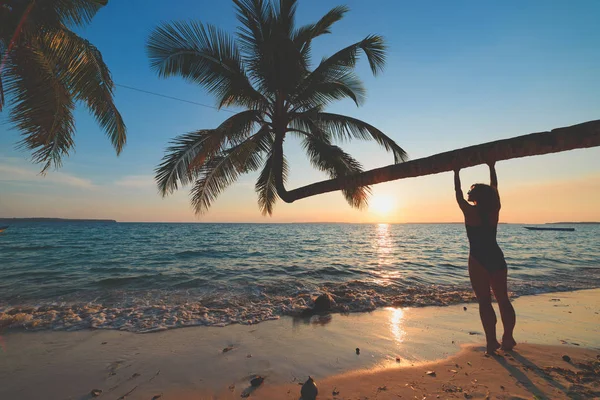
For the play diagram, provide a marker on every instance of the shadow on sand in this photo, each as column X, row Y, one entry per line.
column 523, row 379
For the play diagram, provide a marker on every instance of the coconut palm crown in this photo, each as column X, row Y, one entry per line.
column 265, row 70
column 45, row 69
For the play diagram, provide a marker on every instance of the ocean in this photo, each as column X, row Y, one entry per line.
column 144, row 277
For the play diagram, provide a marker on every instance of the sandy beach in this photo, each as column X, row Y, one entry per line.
column 531, row 371
column 397, row 348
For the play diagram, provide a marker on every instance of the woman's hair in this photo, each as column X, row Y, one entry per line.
column 486, row 197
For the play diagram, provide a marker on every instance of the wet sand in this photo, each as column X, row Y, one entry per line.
column 207, row 363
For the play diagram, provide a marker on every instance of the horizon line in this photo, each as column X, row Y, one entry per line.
column 290, row 222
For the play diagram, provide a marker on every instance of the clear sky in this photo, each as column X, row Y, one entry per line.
column 458, row 73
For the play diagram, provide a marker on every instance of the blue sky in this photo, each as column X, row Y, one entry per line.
column 458, row 73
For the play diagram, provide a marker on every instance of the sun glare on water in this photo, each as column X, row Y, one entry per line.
column 382, row 205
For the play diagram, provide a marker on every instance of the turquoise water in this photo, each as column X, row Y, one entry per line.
column 143, row 277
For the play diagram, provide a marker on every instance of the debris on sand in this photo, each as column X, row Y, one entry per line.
column 309, row 390
column 227, row 349
column 431, row 373
column 96, row 392
column 257, row 381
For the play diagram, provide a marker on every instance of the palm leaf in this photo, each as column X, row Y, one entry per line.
column 285, row 14
column 273, row 61
column 336, row 86
column 266, row 188
column 1, row 93
column 204, row 55
column 41, row 105
column 333, row 160
column 81, row 68
column 344, row 127
column 342, row 63
column 222, row 170
column 63, row 13
column 3, row 58
column 231, row 132
column 305, row 34
column 374, row 48
column 174, row 168
column 254, row 16
column 186, row 155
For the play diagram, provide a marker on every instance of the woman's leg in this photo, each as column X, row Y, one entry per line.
column 507, row 312
column 480, row 280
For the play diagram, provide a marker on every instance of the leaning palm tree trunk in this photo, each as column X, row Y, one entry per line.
column 578, row 136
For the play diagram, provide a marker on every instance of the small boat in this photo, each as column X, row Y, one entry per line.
column 536, row 228
column 3, row 228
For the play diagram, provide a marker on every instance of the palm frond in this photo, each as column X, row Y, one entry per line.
column 336, row 162
column 3, row 58
column 41, row 105
column 254, row 16
column 265, row 185
column 205, row 55
column 219, row 172
column 342, row 63
column 344, row 127
column 60, row 13
column 1, row 93
column 285, row 14
column 305, row 34
column 188, row 153
column 81, row 68
column 338, row 85
column 273, row 62
column 174, row 169
column 374, row 48
column 231, row 132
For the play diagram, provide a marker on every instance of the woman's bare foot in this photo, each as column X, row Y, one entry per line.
column 492, row 347
column 508, row 343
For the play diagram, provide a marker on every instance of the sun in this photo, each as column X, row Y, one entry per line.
column 381, row 205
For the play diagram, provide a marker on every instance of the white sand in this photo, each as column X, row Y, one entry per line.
column 68, row 365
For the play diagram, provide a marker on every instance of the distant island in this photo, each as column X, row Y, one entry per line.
column 55, row 220
column 573, row 223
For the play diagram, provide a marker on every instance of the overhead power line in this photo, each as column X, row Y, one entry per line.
column 174, row 98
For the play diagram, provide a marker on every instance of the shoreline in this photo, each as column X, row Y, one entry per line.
column 203, row 360
column 155, row 315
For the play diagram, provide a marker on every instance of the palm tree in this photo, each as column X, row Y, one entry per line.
column 46, row 69
column 266, row 70
column 580, row 136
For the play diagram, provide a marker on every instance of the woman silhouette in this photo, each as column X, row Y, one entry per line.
column 487, row 267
